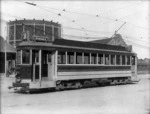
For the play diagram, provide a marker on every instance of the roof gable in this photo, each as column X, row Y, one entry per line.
column 4, row 45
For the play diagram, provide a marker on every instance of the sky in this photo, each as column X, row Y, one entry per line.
column 88, row 20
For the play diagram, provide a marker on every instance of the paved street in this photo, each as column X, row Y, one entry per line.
column 121, row 99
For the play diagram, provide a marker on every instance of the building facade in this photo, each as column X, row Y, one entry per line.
column 20, row 30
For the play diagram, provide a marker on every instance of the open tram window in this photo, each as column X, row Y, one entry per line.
column 112, row 59
column 123, row 60
column 133, row 60
column 93, row 58
column 18, row 57
column 118, row 60
column 79, row 58
column 70, row 57
column 25, row 56
column 61, row 58
column 107, row 59
column 128, row 60
column 100, row 58
column 86, row 58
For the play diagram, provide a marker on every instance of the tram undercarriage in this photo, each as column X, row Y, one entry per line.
column 73, row 84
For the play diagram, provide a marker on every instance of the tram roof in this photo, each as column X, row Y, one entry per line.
column 82, row 44
column 63, row 43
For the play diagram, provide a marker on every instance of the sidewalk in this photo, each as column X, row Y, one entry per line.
column 5, row 82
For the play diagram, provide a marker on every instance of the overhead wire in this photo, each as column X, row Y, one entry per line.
column 117, row 9
column 114, row 20
column 79, row 29
column 87, row 31
column 138, row 45
column 59, row 15
column 98, row 16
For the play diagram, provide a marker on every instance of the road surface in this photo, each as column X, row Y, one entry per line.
column 121, row 99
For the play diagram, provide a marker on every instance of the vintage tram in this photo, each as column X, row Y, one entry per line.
column 62, row 63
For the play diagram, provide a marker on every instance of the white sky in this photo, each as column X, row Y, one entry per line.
column 135, row 13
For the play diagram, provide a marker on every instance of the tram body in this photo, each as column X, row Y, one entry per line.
column 64, row 63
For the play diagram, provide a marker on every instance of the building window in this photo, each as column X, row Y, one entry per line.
column 86, row 58
column 118, row 61
column 39, row 30
column 48, row 32
column 112, row 59
column 30, row 29
column 25, row 56
column 70, row 57
column 123, row 60
column 128, row 60
column 11, row 32
column 79, row 58
column 100, row 58
column 93, row 58
column 18, row 57
column 107, row 59
column 19, row 31
column 61, row 58
column 56, row 32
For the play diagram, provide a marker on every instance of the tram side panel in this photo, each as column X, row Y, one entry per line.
column 68, row 72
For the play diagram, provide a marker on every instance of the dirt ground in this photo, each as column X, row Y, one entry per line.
column 121, row 99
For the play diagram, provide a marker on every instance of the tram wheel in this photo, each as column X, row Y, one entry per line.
column 78, row 85
column 124, row 81
column 59, row 87
column 113, row 82
column 87, row 83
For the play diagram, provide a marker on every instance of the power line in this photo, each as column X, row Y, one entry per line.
column 123, row 8
column 63, row 26
column 142, row 46
column 127, row 36
column 115, row 20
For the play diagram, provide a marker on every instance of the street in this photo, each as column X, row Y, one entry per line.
column 120, row 99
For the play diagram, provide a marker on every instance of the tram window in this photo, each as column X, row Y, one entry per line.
column 35, row 56
column 86, row 58
column 79, row 58
column 112, row 59
column 93, row 58
column 123, row 60
column 118, row 60
column 128, row 60
column 49, row 58
column 18, row 57
column 133, row 60
column 25, row 56
column 100, row 58
column 107, row 59
column 61, row 58
column 70, row 57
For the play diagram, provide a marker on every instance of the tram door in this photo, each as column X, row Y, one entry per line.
column 35, row 65
column 46, row 65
